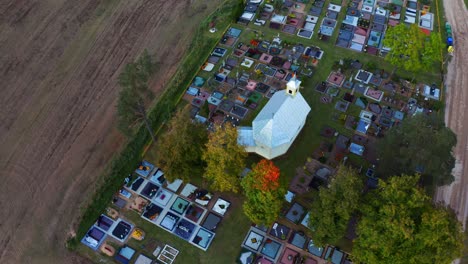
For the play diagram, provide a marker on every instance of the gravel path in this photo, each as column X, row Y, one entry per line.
column 456, row 194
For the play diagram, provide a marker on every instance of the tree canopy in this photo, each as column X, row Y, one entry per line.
column 278, row 4
column 331, row 211
column 224, row 158
column 135, row 95
column 399, row 224
column 265, row 175
column 421, row 143
column 264, row 196
column 411, row 49
column 181, row 147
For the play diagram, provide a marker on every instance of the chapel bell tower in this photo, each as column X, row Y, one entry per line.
column 292, row 87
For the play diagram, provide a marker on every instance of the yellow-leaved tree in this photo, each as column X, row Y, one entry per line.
column 224, row 158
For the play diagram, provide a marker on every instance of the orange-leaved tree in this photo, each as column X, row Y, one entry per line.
column 266, row 175
column 264, row 195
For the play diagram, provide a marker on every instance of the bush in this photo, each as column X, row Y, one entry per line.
column 322, row 159
column 371, row 66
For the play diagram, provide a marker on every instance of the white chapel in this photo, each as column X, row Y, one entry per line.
column 277, row 125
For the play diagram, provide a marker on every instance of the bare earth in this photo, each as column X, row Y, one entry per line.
column 456, row 195
column 59, row 60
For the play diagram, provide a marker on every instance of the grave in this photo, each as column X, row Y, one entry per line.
column 375, row 108
column 348, row 97
column 295, row 213
column 342, row 142
column 342, row 106
column 348, row 84
column 279, row 231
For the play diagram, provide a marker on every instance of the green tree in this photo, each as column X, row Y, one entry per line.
column 181, row 147
column 224, row 158
column 399, row 224
column 263, row 207
column 421, row 143
column 264, row 196
column 332, row 210
column 411, row 49
column 278, row 5
column 135, row 95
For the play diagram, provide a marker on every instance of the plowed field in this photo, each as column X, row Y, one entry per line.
column 59, row 61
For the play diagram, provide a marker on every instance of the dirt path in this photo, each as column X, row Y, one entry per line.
column 59, row 60
column 456, row 195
